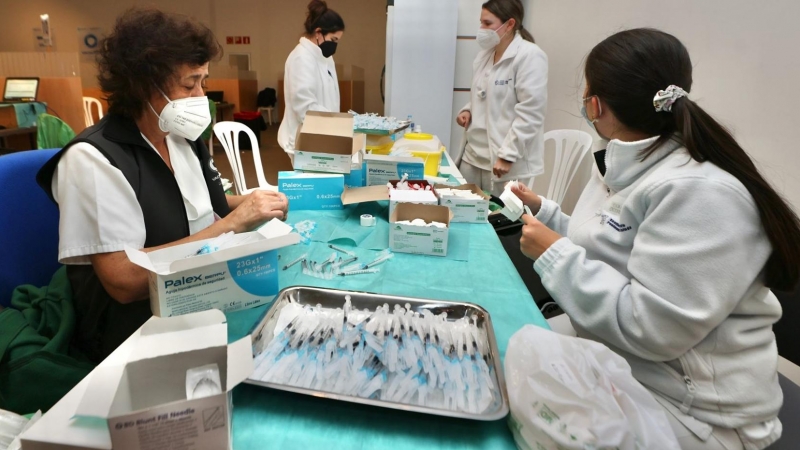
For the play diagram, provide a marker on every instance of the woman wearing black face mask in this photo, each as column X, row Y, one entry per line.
column 310, row 81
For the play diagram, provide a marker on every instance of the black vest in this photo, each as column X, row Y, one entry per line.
column 103, row 323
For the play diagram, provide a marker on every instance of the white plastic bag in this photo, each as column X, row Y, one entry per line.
column 572, row 393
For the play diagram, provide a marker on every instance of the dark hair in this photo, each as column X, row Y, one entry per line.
column 627, row 69
column 319, row 16
column 143, row 53
column 509, row 9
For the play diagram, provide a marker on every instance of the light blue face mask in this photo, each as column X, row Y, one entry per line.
column 586, row 116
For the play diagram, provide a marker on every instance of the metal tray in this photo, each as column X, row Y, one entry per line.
column 333, row 298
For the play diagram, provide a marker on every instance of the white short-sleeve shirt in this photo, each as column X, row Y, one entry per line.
column 98, row 209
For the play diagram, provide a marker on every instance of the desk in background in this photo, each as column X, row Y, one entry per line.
column 19, row 124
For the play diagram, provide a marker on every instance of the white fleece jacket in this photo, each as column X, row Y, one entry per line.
column 662, row 261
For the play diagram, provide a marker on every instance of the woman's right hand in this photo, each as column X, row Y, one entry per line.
column 464, row 119
column 258, row 207
column 528, row 197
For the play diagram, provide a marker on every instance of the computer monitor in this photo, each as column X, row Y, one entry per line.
column 21, row 89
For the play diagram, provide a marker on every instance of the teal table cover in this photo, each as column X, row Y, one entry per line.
column 479, row 273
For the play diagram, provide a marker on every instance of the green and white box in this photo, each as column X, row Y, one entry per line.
column 466, row 210
column 326, row 143
column 421, row 240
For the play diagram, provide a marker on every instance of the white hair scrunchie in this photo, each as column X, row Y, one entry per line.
column 664, row 99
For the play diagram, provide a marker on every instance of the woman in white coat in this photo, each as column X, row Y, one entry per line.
column 310, row 81
column 504, row 120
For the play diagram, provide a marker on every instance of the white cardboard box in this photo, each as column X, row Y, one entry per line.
column 381, row 169
column 466, row 210
column 417, row 239
column 239, row 277
column 326, row 143
column 136, row 398
column 396, row 196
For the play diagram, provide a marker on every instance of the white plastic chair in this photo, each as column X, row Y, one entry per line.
column 88, row 102
column 570, row 148
column 269, row 110
column 228, row 135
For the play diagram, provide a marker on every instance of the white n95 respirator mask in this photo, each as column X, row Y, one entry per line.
column 488, row 38
column 185, row 117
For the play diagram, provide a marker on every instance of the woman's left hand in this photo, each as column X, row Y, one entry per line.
column 536, row 237
column 501, row 167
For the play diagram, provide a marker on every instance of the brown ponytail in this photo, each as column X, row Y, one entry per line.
column 319, row 16
column 627, row 69
column 509, row 9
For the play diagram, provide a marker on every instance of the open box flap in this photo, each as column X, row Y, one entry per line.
column 157, row 337
column 240, row 361
column 365, row 194
column 472, row 187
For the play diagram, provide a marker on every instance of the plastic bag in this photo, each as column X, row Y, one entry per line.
column 572, row 393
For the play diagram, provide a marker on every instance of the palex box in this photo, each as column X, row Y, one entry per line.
column 326, row 143
column 382, row 169
column 464, row 209
column 358, row 172
column 137, row 399
column 311, row 190
column 244, row 275
column 419, row 239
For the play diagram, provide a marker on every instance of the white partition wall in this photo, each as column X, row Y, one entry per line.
column 745, row 65
column 420, row 61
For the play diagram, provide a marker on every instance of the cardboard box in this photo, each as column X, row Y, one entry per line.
column 396, row 197
column 358, row 172
column 136, row 398
column 382, row 169
column 416, row 239
column 242, row 276
column 326, row 143
column 312, row 190
column 466, row 210
column 364, row 194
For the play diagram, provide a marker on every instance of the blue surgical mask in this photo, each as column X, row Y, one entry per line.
column 586, row 116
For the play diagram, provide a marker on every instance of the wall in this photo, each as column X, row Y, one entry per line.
column 744, row 74
column 274, row 27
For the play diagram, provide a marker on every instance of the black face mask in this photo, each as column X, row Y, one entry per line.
column 328, row 48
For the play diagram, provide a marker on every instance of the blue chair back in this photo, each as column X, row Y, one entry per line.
column 28, row 224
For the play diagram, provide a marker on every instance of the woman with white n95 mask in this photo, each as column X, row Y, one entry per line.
column 310, row 80
column 141, row 177
column 504, row 119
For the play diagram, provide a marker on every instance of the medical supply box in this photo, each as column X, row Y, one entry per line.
column 419, row 197
column 136, row 399
column 358, row 172
column 243, row 275
column 311, row 190
column 326, row 143
column 465, row 209
column 382, row 169
column 424, row 240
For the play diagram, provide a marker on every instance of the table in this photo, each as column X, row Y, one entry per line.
column 8, row 132
column 224, row 111
column 265, row 418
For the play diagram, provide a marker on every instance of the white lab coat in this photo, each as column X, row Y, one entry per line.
column 512, row 111
column 310, row 84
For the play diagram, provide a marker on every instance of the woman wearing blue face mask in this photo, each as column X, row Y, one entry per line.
column 504, row 119
column 310, row 82
column 141, row 177
column 673, row 249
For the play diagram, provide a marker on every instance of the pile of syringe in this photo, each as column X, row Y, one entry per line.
column 372, row 121
column 398, row 356
column 339, row 266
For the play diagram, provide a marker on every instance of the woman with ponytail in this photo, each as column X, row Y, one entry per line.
column 671, row 253
column 310, row 82
column 504, row 119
